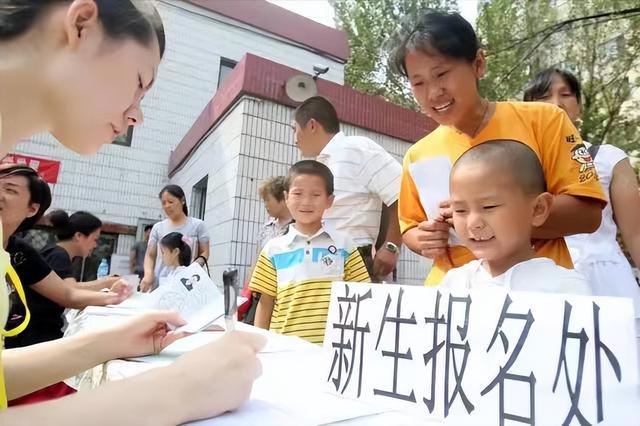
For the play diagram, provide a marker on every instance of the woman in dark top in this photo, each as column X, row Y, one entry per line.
column 78, row 235
column 24, row 197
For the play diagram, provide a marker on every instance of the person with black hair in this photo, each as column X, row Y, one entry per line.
column 138, row 252
column 194, row 231
column 367, row 179
column 598, row 255
column 78, row 235
column 175, row 251
column 79, row 68
column 50, row 286
column 440, row 55
column 498, row 193
column 294, row 271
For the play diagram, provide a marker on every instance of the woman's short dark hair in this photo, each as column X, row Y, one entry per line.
column 39, row 192
column 313, row 168
column 432, row 32
column 174, row 240
column 177, row 192
column 539, row 86
column 66, row 226
column 137, row 19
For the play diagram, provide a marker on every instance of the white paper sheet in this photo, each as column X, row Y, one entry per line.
column 290, row 392
column 191, row 292
column 431, row 177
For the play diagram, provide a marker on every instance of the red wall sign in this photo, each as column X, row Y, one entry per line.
column 47, row 169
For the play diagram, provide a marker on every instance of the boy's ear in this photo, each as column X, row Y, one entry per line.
column 541, row 208
column 330, row 200
column 286, row 196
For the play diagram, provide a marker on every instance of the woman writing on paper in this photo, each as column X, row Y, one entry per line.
column 79, row 70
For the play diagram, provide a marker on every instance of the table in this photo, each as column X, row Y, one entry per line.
column 291, row 390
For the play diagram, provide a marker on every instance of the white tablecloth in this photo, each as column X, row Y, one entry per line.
column 291, row 390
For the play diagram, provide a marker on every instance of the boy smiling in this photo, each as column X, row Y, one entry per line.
column 295, row 271
column 498, row 195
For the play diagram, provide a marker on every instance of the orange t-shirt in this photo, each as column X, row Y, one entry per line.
column 546, row 129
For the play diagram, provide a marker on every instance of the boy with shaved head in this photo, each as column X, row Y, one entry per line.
column 498, row 196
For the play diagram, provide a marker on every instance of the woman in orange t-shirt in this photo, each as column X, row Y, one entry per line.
column 441, row 57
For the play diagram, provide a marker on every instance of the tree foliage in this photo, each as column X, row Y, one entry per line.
column 369, row 24
column 522, row 37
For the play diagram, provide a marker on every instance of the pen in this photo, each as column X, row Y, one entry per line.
column 229, row 281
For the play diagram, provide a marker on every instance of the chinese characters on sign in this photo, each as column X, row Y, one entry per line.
column 484, row 357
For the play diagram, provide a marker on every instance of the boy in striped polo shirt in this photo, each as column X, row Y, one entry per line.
column 294, row 271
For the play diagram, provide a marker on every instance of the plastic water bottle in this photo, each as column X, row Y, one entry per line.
column 103, row 269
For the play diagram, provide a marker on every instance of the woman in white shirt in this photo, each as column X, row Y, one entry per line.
column 598, row 256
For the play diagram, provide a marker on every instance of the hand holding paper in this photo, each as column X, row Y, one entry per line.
column 433, row 237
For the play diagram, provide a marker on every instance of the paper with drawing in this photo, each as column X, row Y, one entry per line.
column 189, row 291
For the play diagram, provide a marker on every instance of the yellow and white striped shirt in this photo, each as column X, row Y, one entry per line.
column 297, row 270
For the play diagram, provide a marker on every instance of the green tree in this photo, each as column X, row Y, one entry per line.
column 524, row 36
column 368, row 24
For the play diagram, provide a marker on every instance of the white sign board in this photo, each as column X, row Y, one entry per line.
column 484, row 357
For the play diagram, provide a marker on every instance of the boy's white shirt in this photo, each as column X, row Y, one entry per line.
column 540, row 274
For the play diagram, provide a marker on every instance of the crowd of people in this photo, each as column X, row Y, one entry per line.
column 528, row 200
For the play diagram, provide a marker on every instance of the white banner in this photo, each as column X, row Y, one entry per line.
column 484, row 357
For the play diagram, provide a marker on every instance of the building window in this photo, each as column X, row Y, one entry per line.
column 226, row 66
column 124, row 140
column 199, row 199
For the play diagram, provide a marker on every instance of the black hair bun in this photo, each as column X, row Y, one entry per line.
column 59, row 219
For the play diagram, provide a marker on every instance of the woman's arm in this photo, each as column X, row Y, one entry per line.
column 149, row 265
column 29, row 368
column 625, row 202
column 570, row 215
column 203, row 251
column 55, row 289
column 95, row 285
column 217, row 378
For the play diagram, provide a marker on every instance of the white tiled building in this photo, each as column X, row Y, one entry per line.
column 121, row 183
column 245, row 136
column 250, row 142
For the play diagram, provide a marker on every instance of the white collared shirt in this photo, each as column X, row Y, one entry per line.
column 365, row 177
column 540, row 274
column 298, row 257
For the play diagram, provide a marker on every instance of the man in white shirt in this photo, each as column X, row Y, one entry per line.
column 367, row 184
